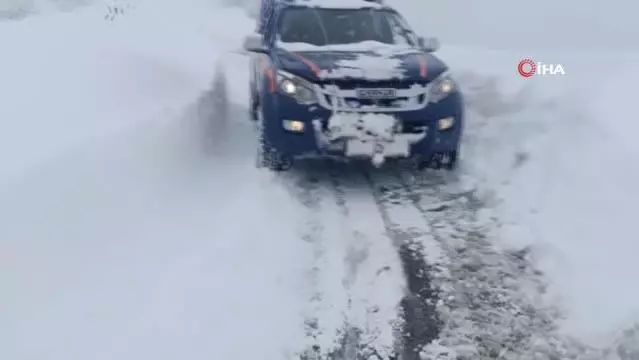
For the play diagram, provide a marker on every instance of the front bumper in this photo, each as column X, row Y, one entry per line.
column 312, row 134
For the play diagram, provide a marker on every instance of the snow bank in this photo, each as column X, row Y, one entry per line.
column 587, row 175
column 559, row 156
column 73, row 77
column 130, row 259
column 19, row 9
column 112, row 243
column 543, row 24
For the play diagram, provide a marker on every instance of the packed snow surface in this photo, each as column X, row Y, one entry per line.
column 557, row 153
column 563, row 172
column 122, row 238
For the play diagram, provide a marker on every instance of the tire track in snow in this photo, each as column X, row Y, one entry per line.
column 418, row 252
column 463, row 298
column 373, row 277
column 491, row 306
column 362, row 257
column 320, row 330
column 342, row 315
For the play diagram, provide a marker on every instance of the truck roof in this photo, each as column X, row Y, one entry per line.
column 336, row 4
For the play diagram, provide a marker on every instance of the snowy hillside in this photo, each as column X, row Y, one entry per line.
column 588, row 25
column 135, row 225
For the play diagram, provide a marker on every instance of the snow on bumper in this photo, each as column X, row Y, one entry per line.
column 375, row 136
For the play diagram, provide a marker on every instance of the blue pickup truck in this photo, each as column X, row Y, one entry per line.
column 350, row 79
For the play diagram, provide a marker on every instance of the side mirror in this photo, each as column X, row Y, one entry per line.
column 253, row 43
column 429, row 44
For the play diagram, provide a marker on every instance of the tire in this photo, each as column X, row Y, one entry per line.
column 451, row 165
column 436, row 162
column 253, row 96
column 253, row 105
column 267, row 155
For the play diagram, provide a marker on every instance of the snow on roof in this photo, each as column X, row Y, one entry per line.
column 337, row 4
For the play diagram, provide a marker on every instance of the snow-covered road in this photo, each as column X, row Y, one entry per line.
column 135, row 225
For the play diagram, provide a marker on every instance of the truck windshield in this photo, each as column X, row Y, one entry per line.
column 320, row 26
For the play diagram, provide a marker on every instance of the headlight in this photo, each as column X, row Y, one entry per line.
column 296, row 87
column 441, row 87
column 445, row 123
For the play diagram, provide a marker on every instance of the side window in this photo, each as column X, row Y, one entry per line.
column 301, row 26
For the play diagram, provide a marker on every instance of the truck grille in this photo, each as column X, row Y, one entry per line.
column 354, row 103
column 342, row 95
column 369, row 84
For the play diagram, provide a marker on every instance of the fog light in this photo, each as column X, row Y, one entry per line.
column 445, row 123
column 293, row 125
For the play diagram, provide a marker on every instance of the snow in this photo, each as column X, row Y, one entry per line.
column 111, row 245
column 38, row 67
column 557, row 153
column 363, row 284
column 505, row 25
column 592, row 178
column 378, row 61
column 376, row 126
column 366, row 67
column 372, row 135
column 373, row 60
column 121, row 239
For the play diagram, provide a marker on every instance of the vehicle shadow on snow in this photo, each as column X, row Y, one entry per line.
column 219, row 128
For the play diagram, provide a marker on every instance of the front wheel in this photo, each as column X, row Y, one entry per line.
column 446, row 161
column 267, row 155
column 449, row 161
column 253, row 106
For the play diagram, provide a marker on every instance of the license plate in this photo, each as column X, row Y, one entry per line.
column 376, row 93
column 356, row 148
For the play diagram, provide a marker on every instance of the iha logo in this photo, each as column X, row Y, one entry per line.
column 527, row 68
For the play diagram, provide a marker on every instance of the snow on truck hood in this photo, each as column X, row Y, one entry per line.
column 368, row 60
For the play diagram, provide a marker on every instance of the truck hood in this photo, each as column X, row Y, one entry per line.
column 364, row 65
